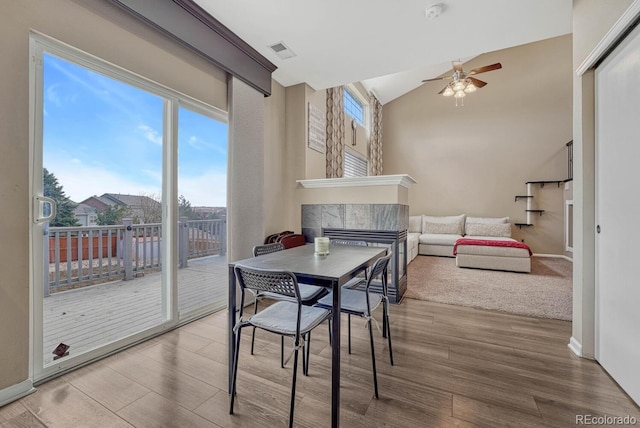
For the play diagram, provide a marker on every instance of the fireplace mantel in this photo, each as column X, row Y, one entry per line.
column 403, row 180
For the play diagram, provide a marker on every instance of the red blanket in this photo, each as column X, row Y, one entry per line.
column 490, row 243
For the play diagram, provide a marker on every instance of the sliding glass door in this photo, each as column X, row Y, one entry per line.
column 110, row 250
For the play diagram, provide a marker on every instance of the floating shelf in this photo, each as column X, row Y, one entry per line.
column 535, row 211
column 543, row 182
column 522, row 197
column 520, row 225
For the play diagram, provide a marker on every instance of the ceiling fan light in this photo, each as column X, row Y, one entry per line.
column 458, row 86
column 459, row 94
column 470, row 88
column 448, row 92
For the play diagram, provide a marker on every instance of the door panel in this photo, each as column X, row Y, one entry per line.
column 617, row 211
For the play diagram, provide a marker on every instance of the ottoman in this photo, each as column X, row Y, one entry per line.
column 492, row 253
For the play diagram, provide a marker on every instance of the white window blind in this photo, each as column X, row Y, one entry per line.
column 354, row 166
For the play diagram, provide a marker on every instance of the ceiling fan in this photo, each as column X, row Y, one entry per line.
column 462, row 83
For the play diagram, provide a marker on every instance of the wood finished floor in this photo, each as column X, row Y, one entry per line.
column 455, row 366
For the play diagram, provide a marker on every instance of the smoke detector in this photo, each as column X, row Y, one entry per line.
column 434, row 11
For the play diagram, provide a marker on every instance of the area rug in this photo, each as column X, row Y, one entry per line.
column 545, row 292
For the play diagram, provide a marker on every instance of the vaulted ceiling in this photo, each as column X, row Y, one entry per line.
column 389, row 46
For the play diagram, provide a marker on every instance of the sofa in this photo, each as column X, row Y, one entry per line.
column 475, row 242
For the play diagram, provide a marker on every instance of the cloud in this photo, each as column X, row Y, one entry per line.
column 208, row 189
column 151, row 134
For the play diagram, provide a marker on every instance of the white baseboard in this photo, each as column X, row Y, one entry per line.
column 16, row 391
column 557, row 256
column 575, row 346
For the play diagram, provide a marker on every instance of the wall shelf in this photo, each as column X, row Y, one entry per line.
column 521, row 225
column 535, row 211
column 522, row 197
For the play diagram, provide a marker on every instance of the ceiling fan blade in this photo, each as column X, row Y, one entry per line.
column 437, row 78
column 477, row 83
column 486, row 68
column 457, row 65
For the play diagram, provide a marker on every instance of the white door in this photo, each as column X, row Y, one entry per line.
column 617, row 214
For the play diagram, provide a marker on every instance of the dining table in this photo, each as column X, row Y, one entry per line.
column 333, row 270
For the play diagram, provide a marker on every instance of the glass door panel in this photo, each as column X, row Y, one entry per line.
column 202, row 188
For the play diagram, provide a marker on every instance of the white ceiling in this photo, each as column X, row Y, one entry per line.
column 388, row 45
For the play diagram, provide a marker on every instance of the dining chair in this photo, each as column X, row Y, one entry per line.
column 289, row 317
column 353, row 243
column 362, row 302
column 309, row 295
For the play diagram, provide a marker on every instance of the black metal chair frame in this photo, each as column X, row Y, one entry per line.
column 285, row 284
column 379, row 269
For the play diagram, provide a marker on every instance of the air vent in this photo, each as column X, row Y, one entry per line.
column 282, row 50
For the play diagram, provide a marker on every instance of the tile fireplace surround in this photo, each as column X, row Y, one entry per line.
column 378, row 224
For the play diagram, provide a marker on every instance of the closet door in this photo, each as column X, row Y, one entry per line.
column 618, row 214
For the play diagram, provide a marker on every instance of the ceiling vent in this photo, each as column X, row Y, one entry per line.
column 283, row 51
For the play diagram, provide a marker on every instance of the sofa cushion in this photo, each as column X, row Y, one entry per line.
column 488, row 229
column 439, row 238
column 415, row 224
column 443, row 224
column 488, row 220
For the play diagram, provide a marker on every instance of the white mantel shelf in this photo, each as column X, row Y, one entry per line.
column 404, row 180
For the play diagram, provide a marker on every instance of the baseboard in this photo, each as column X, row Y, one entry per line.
column 557, row 256
column 15, row 392
column 575, row 346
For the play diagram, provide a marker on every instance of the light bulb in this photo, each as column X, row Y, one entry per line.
column 460, row 94
column 458, row 86
column 448, row 92
column 470, row 88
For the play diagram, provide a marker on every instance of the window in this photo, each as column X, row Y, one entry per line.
column 353, row 106
column 354, row 165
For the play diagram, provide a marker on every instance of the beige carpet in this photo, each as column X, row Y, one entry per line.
column 546, row 292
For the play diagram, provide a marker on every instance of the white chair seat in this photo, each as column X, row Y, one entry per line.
column 281, row 318
column 354, row 301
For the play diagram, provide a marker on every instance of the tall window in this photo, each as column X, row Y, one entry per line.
column 353, row 106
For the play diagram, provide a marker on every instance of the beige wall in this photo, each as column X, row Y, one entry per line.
column 475, row 159
column 98, row 28
column 592, row 19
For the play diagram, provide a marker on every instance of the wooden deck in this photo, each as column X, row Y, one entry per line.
column 91, row 316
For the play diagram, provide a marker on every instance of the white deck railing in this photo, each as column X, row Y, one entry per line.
column 79, row 256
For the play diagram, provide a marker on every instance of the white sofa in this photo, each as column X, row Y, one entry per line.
column 437, row 236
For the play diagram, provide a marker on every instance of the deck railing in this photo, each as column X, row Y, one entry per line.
column 80, row 256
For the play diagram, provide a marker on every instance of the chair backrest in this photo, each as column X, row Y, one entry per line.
column 268, row 280
column 379, row 269
column 293, row 240
column 349, row 242
column 259, row 250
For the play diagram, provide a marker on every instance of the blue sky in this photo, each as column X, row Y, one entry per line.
column 104, row 136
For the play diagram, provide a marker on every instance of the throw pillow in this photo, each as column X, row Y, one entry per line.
column 456, row 220
column 502, row 230
column 490, row 220
column 442, row 228
column 415, row 224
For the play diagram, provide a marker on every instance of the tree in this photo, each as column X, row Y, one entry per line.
column 113, row 215
column 150, row 209
column 184, row 208
column 64, row 206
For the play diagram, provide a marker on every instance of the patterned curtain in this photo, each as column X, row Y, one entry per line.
column 335, row 132
column 375, row 143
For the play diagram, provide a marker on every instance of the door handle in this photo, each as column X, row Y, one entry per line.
column 39, row 203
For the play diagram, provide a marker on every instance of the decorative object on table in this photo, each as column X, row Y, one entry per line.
column 321, row 245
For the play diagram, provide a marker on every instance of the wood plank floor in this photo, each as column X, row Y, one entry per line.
column 454, row 366
column 92, row 316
